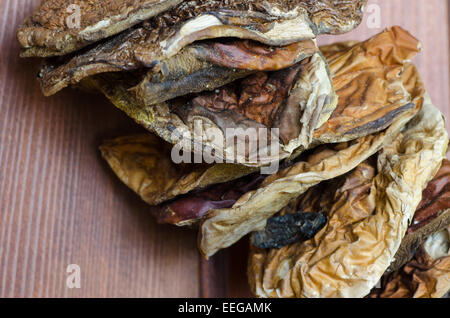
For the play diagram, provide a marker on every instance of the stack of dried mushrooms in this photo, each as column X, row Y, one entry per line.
column 361, row 193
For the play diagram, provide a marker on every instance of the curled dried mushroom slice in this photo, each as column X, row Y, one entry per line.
column 435, row 199
column 427, row 275
column 190, row 208
column 143, row 162
column 254, row 56
column 351, row 253
column 52, row 28
column 282, row 230
column 374, row 81
column 209, row 65
column 432, row 215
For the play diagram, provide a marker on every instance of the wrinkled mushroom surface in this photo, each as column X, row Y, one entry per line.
column 427, row 275
column 59, row 27
column 144, row 163
column 222, row 228
column 368, row 218
column 431, row 216
column 374, row 81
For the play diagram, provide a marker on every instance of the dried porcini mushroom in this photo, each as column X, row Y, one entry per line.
column 367, row 219
column 59, row 27
column 432, row 215
column 190, row 208
column 195, row 61
column 373, row 81
column 214, row 237
column 143, row 163
column 288, row 228
column 352, row 201
column 427, row 275
column 225, row 221
column 173, row 22
column 210, row 65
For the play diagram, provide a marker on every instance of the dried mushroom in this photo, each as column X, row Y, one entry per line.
column 432, row 215
column 194, row 62
column 421, row 267
column 288, row 228
column 371, row 79
column 143, row 163
column 367, row 220
column 52, row 28
column 427, row 275
column 361, row 195
column 209, row 65
column 190, row 208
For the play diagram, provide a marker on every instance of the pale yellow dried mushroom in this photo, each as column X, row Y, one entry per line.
column 367, row 220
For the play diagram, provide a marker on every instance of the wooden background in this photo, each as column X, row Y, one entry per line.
column 60, row 204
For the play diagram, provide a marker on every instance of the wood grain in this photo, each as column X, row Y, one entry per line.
column 61, row 205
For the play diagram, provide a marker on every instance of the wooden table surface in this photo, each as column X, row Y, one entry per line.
column 60, row 204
